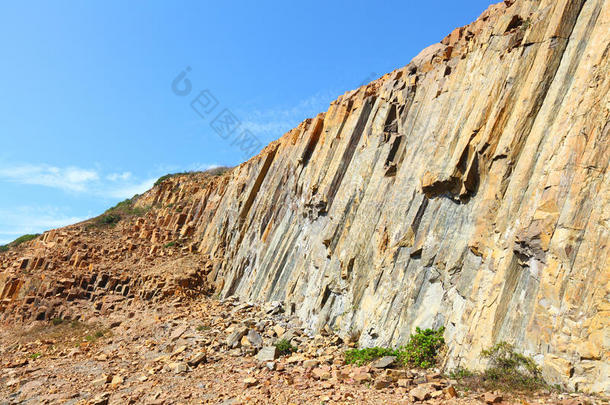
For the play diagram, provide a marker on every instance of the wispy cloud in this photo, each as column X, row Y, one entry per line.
column 197, row 166
column 270, row 124
column 90, row 181
column 22, row 220
column 201, row 167
column 77, row 180
column 119, row 176
column 68, row 178
column 129, row 190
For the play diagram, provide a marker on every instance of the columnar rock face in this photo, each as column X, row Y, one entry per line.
column 469, row 189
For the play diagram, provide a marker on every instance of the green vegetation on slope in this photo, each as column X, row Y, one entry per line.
column 421, row 351
column 507, row 370
column 18, row 241
column 122, row 210
column 216, row 171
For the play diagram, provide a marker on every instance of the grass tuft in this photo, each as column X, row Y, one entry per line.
column 284, row 347
column 95, row 336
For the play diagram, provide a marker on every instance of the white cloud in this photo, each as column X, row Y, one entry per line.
column 119, row 176
column 197, row 166
column 272, row 123
column 77, row 180
column 129, row 190
column 17, row 221
column 23, row 220
column 67, row 179
column 89, row 181
column 201, row 167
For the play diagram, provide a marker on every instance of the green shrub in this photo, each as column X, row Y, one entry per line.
column 110, row 219
column 507, row 370
column 127, row 207
column 366, row 355
column 124, row 209
column 510, row 369
column 34, row 356
column 421, row 351
column 56, row 321
column 460, row 373
column 170, row 244
column 92, row 338
column 3, row 248
column 167, row 176
column 75, row 323
column 284, row 347
column 423, row 347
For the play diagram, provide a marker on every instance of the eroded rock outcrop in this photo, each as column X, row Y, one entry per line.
column 468, row 189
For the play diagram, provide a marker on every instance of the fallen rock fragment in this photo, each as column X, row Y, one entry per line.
column 102, row 380
column 383, row 382
column 421, row 392
column 234, row 339
column 116, row 381
column 362, row 377
column 450, row 392
column 492, row 398
column 178, row 367
column 383, row 362
column 321, row 373
column 101, row 399
column 311, row 363
column 250, row 382
column 197, row 359
column 268, row 353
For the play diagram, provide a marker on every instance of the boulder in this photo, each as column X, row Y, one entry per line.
column 383, row 362
column 268, row 353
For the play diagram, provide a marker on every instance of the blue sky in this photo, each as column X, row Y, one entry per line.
column 88, row 116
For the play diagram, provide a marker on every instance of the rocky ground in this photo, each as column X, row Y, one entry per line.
column 210, row 351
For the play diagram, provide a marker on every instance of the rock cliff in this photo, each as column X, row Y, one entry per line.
column 469, row 189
